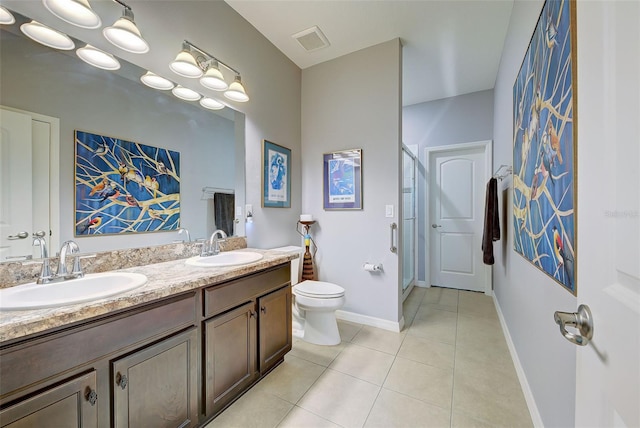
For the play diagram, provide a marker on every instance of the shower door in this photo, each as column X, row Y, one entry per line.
column 408, row 220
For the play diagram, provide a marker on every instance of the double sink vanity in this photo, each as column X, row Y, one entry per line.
column 171, row 351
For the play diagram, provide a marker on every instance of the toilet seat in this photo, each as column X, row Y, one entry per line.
column 318, row 289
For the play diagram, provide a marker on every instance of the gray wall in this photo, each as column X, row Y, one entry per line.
column 460, row 119
column 88, row 99
column 345, row 106
column 526, row 296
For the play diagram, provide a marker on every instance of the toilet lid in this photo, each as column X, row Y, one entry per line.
column 318, row 289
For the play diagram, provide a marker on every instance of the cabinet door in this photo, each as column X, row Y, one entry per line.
column 157, row 385
column 230, row 356
column 70, row 404
column 275, row 335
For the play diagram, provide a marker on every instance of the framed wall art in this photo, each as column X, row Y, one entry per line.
column 276, row 175
column 342, row 180
column 124, row 187
column 545, row 146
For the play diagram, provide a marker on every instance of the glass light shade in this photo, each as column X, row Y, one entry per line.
column 6, row 17
column 98, row 58
column 125, row 35
column 186, row 93
column 211, row 104
column 236, row 91
column 213, row 79
column 47, row 36
column 156, row 82
column 185, row 65
column 76, row 12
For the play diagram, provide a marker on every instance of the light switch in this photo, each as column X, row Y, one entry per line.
column 388, row 211
column 238, row 211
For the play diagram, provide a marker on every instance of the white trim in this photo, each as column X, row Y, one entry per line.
column 422, row 284
column 488, row 166
column 371, row 321
column 524, row 384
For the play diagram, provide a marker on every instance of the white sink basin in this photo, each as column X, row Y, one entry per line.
column 229, row 258
column 91, row 287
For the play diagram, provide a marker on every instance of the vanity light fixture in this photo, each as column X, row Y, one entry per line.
column 194, row 62
column 186, row 64
column 6, row 18
column 211, row 104
column 47, row 36
column 236, row 91
column 76, row 12
column 186, row 93
column 154, row 81
column 98, row 58
column 125, row 34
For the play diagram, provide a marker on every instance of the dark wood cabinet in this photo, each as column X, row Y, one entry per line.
column 176, row 362
column 247, row 332
column 157, row 385
column 275, row 334
column 230, row 355
column 73, row 403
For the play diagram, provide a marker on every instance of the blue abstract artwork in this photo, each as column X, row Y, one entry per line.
column 544, row 147
column 124, row 187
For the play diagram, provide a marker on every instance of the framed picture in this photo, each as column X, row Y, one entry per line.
column 545, row 145
column 342, row 181
column 276, row 176
column 124, row 187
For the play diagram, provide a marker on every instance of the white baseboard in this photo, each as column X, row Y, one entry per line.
column 422, row 284
column 370, row 321
column 526, row 389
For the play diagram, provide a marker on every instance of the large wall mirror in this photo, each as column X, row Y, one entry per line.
column 58, row 89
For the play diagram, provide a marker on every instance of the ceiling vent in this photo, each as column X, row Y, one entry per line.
column 311, row 39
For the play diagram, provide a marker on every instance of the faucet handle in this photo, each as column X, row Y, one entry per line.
column 77, row 267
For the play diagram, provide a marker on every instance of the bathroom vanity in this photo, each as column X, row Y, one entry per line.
column 173, row 353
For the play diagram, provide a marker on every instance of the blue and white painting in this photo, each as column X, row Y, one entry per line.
column 342, row 180
column 276, row 179
column 124, row 187
column 544, row 112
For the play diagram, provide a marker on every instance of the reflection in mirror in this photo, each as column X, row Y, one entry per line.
column 44, row 88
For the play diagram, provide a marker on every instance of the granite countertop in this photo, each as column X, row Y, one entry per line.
column 164, row 280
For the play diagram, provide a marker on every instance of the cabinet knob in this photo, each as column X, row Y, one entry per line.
column 263, row 309
column 252, row 314
column 121, row 380
column 92, row 396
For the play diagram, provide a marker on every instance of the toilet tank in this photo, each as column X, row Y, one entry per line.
column 296, row 264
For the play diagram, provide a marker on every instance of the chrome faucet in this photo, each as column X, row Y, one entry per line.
column 69, row 247
column 214, row 243
column 42, row 243
column 186, row 231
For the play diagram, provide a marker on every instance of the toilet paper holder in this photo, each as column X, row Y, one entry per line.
column 372, row 267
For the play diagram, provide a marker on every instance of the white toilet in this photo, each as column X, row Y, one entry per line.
column 314, row 306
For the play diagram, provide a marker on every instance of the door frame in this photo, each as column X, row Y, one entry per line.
column 405, row 293
column 54, row 173
column 429, row 152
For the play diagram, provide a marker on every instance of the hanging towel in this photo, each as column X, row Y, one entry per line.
column 491, row 222
column 223, row 204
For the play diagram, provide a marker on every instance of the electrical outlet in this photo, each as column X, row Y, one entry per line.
column 388, row 211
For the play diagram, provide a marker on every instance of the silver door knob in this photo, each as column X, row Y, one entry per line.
column 436, row 225
column 19, row 235
column 581, row 320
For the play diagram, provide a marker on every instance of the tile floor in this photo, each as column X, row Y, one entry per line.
column 449, row 367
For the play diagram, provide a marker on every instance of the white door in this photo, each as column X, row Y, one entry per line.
column 608, row 369
column 15, row 184
column 29, row 201
column 457, row 183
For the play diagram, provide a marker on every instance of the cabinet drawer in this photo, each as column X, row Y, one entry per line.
column 226, row 296
column 24, row 364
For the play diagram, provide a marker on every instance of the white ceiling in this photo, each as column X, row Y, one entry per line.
column 451, row 47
